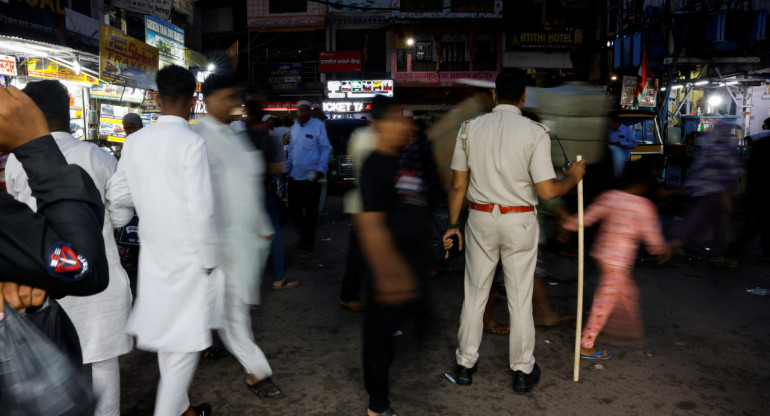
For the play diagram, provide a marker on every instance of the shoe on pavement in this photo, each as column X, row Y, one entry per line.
column 203, row 409
column 464, row 375
column 523, row 383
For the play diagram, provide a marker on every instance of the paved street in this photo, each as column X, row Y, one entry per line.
column 707, row 351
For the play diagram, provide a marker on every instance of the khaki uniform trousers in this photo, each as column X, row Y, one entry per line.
column 489, row 237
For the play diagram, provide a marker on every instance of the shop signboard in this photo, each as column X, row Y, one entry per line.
column 111, row 122
column 444, row 76
column 126, row 60
column 56, row 71
column 41, row 20
column 352, row 89
column 547, row 40
column 168, row 38
column 285, row 76
column 195, row 59
column 339, row 61
column 120, row 93
column 7, row 65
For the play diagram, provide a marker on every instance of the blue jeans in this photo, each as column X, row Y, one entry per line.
column 276, row 247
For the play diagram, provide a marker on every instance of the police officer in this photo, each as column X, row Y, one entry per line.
column 502, row 161
column 59, row 248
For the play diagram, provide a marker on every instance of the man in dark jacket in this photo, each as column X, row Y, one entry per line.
column 58, row 249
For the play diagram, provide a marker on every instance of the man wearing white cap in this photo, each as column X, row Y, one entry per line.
column 309, row 150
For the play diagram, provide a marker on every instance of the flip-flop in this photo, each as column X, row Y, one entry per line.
column 266, row 389
column 286, row 284
column 597, row 355
column 504, row 330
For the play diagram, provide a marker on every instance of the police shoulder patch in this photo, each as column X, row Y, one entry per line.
column 64, row 263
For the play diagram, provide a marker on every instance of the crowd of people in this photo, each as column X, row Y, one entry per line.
column 210, row 199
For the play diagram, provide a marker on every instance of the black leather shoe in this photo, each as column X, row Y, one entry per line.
column 523, row 383
column 202, row 409
column 464, row 375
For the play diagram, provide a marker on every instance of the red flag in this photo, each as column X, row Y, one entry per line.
column 644, row 74
column 232, row 53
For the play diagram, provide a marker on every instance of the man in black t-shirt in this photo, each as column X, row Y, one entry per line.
column 395, row 240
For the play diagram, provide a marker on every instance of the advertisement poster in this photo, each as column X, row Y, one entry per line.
column 7, row 65
column 125, row 60
column 111, row 92
column 111, row 122
column 168, row 38
column 55, row 71
column 339, row 61
column 285, row 76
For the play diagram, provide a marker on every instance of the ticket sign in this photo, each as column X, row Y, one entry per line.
column 126, row 60
column 52, row 70
column 359, row 88
column 346, row 107
column 7, row 65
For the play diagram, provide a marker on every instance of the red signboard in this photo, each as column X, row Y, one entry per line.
column 7, row 65
column 339, row 61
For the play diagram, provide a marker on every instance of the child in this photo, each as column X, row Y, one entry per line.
column 627, row 217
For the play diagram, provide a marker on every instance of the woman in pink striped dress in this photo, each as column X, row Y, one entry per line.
column 627, row 218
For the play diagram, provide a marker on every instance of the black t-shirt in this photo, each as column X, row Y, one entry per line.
column 271, row 154
column 397, row 192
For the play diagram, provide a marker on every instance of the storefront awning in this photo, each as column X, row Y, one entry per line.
column 62, row 55
column 548, row 60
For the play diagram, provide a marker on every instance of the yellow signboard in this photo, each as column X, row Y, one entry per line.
column 56, row 71
column 127, row 61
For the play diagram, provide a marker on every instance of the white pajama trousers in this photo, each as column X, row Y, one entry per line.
column 238, row 336
column 489, row 238
column 105, row 377
column 176, row 373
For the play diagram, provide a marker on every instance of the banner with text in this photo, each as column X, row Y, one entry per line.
column 168, row 38
column 339, row 61
column 126, row 60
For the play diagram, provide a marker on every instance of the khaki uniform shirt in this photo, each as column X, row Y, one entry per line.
column 506, row 154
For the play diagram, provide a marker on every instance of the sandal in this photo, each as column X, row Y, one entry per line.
column 597, row 355
column 214, row 353
column 388, row 412
column 286, row 284
column 265, row 389
column 494, row 328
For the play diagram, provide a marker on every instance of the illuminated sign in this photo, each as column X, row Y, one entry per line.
column 7, row 65
column 359, row 88
column 346, row 107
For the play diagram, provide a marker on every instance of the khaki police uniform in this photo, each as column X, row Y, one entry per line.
column 506, row 155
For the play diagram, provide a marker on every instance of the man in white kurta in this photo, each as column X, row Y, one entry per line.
column 99, row 319
column 164, row 173
column 243, row 225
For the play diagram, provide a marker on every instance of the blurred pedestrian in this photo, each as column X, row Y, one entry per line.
column 757, row 195
column 99, row 319
column 711, row 183
column 395, row 240
column 502, row 161
column 271, row 148
column 164, row 172
column 362, row 143
column 132, row 122
column 627, row 218
column 621, row 140
column 243, row 226
column 308, row 161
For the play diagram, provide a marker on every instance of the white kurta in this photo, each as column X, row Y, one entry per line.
column 237, row 173
column 100, row 319
column 164, row 173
